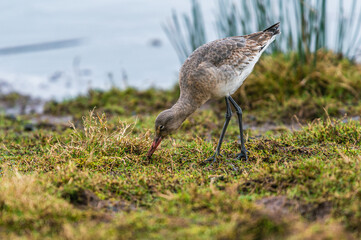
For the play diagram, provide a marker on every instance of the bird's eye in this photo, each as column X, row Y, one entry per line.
column 161, row 127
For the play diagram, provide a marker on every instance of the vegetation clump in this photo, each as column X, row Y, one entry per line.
column 276, row 91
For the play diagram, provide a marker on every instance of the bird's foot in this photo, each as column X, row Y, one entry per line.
column 212, row 159
column 243, row 154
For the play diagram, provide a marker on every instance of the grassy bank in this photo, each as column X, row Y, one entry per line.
column 275, row 92
column 95, row 182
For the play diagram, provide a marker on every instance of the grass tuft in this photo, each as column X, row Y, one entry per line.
column 101, row 145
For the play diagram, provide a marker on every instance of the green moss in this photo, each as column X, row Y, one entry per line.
column 96, row 181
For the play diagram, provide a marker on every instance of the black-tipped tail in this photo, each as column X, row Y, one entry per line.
column 274, row 29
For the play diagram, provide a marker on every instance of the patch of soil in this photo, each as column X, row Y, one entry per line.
column 316, row 211
column 277, row 204
column 284, row 206
column 267, row 183
column 270, row 126
column 84, row 198
column 275, row 147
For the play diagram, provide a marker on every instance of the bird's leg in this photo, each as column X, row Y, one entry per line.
column 213, row 158
column 244, row 151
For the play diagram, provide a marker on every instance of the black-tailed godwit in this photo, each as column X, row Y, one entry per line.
column 214, row 70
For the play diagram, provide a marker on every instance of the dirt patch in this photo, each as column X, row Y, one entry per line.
column 274, row 147
column 84, row 198
column 277, row 204
column 284, row 206
column 270, row 126
column 271, row 150
column 317, row 211
column 266, row 183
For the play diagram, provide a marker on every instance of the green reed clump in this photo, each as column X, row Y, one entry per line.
column 305, row 26
column 192, row 37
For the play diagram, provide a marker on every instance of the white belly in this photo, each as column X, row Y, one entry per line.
column 231, row 83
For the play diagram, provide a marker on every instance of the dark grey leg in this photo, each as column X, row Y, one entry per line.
column 244, row 151
column 213, row 158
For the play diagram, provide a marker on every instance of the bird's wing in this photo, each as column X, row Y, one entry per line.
column 213, row 53
column 235, row 52
column 241, row 51
column 232, row 52
column 238, row 51
column 217, row 51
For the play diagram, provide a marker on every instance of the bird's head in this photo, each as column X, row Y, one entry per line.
column 166, row 123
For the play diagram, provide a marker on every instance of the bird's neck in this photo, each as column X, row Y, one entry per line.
column 184, row 107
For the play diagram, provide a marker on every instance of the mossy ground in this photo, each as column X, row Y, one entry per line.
column 96, row 182
column 93, row 181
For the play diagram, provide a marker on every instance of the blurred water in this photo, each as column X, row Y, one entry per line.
column 118, row 36
column 118, row 40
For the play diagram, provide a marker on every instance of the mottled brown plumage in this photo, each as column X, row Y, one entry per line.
column 216, row 69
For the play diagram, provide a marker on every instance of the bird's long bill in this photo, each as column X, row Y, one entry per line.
column 154, row 146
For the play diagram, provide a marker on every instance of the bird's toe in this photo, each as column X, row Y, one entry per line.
column 243, row 154
column 211, row 159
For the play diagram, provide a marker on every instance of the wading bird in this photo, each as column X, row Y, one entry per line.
column 214, row 70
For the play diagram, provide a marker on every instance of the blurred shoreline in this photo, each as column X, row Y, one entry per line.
column 123, row 44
